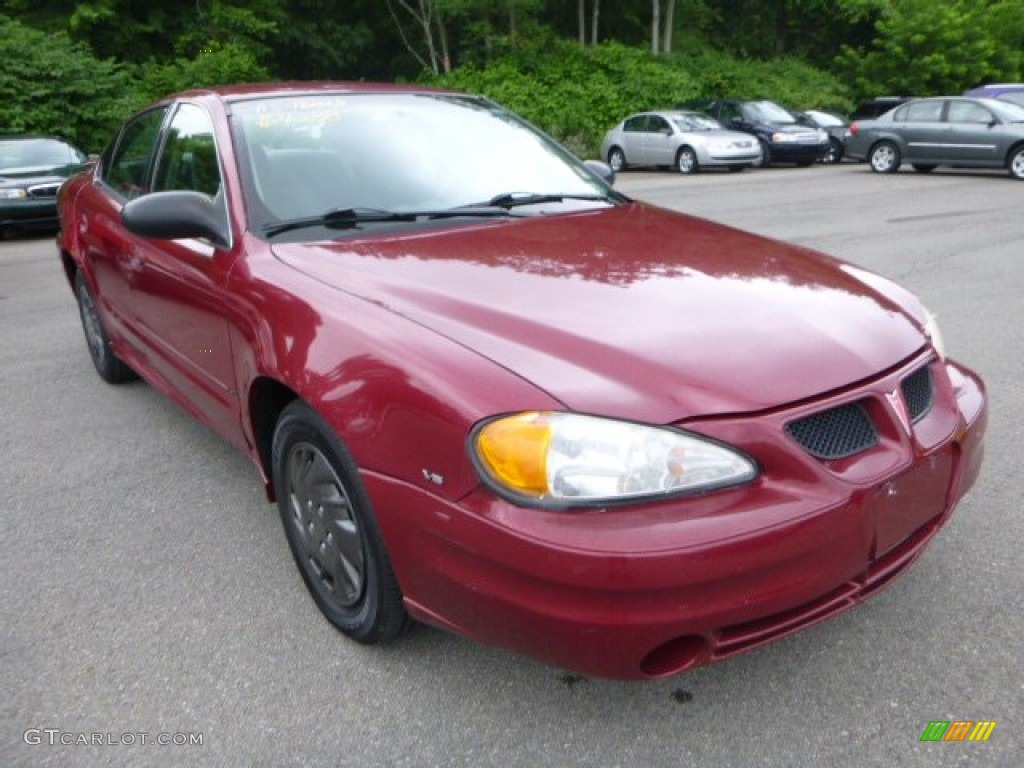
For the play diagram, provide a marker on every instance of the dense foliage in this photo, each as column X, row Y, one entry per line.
column 577, row 93
column 574, row 68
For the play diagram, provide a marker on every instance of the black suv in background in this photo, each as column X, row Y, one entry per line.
column 869, row 110
column 782, row 138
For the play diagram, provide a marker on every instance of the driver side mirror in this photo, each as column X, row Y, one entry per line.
column 178, row 214
column 601, row 170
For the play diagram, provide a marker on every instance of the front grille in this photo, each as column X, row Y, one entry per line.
column 836, row 433
column 918, row 393
column 44, row 190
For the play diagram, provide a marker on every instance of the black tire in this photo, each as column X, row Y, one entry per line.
column 766, row 156
column 834, row 154
column 333, row 535
column 686, row 161
column 1015, row 164
column 110, row 368
column 923, row 168
column 616, row 160
column 884, row 157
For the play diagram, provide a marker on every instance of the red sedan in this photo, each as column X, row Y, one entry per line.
column 490, row 393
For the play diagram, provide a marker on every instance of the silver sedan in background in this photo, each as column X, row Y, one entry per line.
column 687, row 141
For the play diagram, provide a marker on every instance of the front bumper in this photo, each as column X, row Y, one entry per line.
column 650, row 590
column 714, row 157
column 796, row 152
column 30, row 213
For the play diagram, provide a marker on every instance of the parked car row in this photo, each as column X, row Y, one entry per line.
column 729, row 133
column 982, row 129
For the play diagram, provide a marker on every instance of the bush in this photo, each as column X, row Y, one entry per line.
column 50, row 84
column 217, row 65
column 576, row 94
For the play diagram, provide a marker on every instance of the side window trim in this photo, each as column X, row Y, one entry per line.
column 165, row 133
column 221, row 198
column 115, row 148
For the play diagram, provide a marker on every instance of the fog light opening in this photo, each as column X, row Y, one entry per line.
column 675, row 656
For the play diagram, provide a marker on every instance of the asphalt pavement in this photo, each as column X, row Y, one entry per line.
column 148, row 593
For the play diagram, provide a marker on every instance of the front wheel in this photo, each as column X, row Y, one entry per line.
column 766, row 156
column 1016, row 164
column 884, row 157
column 331, row 530
column 834, row 154
column 686, row 161
column 616, row 160
column 110, row 368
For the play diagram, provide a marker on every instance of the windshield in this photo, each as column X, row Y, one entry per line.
column 37, row 153
column 766, row 112
column 311, row 154
column 694, row 122
column 824, row 119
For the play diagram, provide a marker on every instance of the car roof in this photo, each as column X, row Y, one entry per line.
column 249, row 91
column 995, row 89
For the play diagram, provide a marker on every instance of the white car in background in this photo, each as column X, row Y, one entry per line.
column 686, row 141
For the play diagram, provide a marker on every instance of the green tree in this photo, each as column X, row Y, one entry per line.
column 51, row 84
column 934, row 47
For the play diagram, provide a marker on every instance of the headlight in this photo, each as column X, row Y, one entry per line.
column 564, row 459
column 783, row 138
column 932, row 330
column 13, row 194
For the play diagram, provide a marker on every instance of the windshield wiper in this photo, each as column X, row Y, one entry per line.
column 509, row 200
column 345, row 218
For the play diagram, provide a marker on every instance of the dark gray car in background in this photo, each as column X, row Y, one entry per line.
column 32, row 168
column 954, row 131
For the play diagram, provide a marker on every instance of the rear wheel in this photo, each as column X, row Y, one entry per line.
column 616, row 160
column 884, row 157
column 1016, row 164
column 923, row 168
column 110, row 368
column 330, row 527
column 686, row 161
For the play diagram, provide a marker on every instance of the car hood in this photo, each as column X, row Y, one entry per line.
column 45, row 173
column 631, row 311
column 788, row 127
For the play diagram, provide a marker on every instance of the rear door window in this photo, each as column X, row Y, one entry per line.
column 922, row 112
